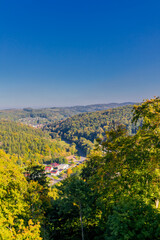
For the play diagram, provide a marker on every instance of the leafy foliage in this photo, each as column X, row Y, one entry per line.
column 133, row 219
column 15, row 222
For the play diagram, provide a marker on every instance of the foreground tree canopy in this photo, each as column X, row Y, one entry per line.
column 120, row 199
column 15, row 211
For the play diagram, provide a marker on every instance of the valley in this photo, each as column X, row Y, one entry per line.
column 44, row 171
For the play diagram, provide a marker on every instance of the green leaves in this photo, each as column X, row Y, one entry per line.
column 133, row 219
column 126, row 176
column 14, row 209
column 149, row 111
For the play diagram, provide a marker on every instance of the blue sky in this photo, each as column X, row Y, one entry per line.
column 63, row 53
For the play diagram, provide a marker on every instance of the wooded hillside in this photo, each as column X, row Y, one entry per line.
column 26, row 142
column 84, row 128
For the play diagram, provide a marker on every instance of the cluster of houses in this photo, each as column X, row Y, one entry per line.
column 55, row 169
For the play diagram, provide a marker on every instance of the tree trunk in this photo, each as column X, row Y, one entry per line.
column 80, row 213
column 157, row 203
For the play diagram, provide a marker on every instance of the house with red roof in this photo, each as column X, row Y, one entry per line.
column 55, row 172
column 48, row 168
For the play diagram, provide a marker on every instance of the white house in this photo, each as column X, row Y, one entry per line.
column 63, row 166
column 55, row 172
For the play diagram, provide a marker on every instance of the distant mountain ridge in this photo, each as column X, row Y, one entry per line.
column 99, row 107
column 52, row 114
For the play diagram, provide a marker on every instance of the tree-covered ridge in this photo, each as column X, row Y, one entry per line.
column 46, row 115
column 83, row 129
column 25, row 141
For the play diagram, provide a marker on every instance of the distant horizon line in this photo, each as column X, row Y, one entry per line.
column 70, row 106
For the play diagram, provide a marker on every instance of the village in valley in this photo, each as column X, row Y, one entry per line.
column 57, row 172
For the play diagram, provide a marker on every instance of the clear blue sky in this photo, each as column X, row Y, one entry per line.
column 78, row 52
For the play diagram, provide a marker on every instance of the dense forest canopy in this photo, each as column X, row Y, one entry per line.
column 83, row 129
column 26, row 142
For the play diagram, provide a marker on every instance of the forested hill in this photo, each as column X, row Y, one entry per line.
column 84, row 128
column 98, row 107
column 26, row 142
column 45, row 115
